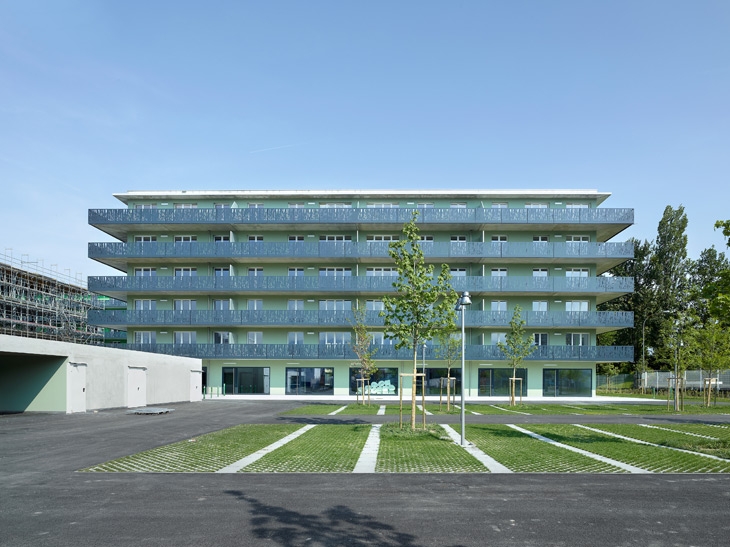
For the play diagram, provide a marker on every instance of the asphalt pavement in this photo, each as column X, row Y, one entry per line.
column 45, row 501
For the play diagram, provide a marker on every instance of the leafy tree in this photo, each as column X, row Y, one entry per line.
column 363, row 347
column 718, row 291
column 422, row 306
column 725, row 225
column 704, row 275
column 669, row 260
column 516, row 347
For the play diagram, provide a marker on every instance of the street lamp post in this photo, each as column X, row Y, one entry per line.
column 461, row 304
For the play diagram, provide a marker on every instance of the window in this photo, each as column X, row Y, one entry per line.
column 335, row 305
column 374, row 305
column 381, row 272
column 330, row 338
column 576, row 206
column 145, row 239
column 458, row 239
column 222, row 304
column 222, row 338
column 145, row 272
column 185, row 239
column 541, row 339
column 335, row 205
column 539, row 305
column 221, row 238
column 499, row 337
column 425, row 238
column 536, row 205
column 253, row 239
column 499, row 239
column 255, row 337
column 304, row 380
column 577, row 239
column 377, row 338
column 499, row 272
column 185, row 205
column 335, row 238
column 383, row 205
column 577, row 339
column 144, row 337
column 296, row 272
column 499, row 205
column 185, row 304
column 146, row 206
column 496, row 381
column 185, row 337
column 246, row 379
column 222, row 205
column 576, row 272
column 499, row 305
column 539, row 272
column 539, row 239
column 186, row 272
column 458, row 205
column 458, row 272
column 254, row 272
column 383, row 237
column 294, row 305
column 255, row 304
column 576, row 305
column 255, row 205
column 296, row 238
column 335, row 272
column 424, row 205
column 224, row 271
column 295, row 338
column 558, row 382
column 145, row 304
column 297, row 205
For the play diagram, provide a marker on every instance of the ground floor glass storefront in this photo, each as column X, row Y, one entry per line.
column 567, row 382
column 495, row 381
column 310, row 381
column 246, row 380
column 382, row 382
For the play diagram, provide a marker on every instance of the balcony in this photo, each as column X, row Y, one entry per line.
column 385, row 352
column 120, row 255
column 605, row 222
column 603, row 288
column 602, row 321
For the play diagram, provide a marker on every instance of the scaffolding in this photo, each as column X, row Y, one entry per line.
column 40, row 303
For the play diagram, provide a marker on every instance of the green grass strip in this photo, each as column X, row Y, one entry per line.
column 651, row 458
column 317, row 409
column 206, row 453
column 422, row 451
column 323, row 449
column 675, row 439
column 524, row 454
column 361, row 410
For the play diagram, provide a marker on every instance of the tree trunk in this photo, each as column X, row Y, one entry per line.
column 413, row 389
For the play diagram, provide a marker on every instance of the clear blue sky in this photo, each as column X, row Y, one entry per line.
column 629, row 97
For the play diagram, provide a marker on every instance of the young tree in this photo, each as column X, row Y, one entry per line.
column 449, row 350
column 363, row 348
column 422, row 306
column 517, row 346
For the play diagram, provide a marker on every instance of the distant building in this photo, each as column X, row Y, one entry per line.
column 261, row 285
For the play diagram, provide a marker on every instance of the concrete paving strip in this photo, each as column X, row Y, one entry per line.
column 469, row 411
column 420, row 407
column 487, row 461
column 651, row 444
column 616, row 463
column 381, row 410
column 337, row 411
column 678, row 431
column 508, row 410
column 248, row 460
column 369, row 455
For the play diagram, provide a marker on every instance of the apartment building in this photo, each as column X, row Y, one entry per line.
column 261, row 285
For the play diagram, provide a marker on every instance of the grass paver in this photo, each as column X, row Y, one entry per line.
column 683, row 440
column 323, row 449
column 318, row 409
column 206, row 453
column 651, row 458
column 429, row 451
column 524, row 454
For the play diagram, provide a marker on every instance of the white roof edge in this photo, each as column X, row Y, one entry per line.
column 363, row 194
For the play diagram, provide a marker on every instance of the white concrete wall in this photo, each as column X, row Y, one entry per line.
column 167, row 377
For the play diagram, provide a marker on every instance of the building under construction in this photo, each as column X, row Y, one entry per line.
column 39, row 303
